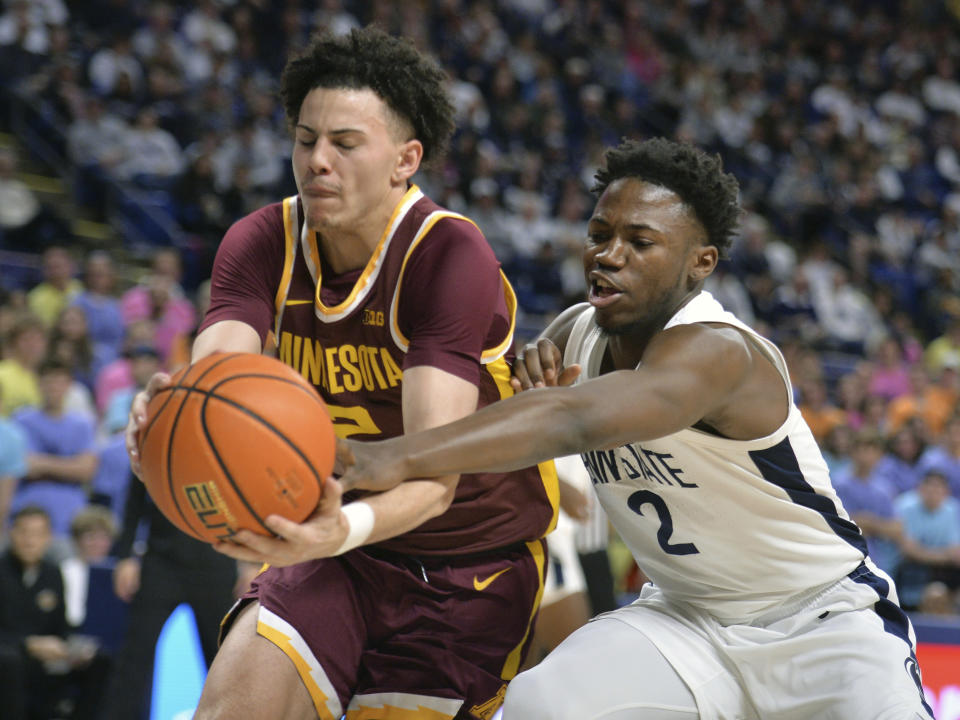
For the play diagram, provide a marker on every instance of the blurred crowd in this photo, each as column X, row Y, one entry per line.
column 840, row 120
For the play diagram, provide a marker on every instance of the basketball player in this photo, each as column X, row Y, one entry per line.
column 418, row 602
column 763, row 603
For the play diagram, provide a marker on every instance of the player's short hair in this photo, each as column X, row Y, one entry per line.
column 408, row 81
column 695, row 176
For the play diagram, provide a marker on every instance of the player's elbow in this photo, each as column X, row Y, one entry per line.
column 443, row 491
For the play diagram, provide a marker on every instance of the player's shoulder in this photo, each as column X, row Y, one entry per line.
column 560, row 328
column 712, row 344
column 449, row 238
column 262, row 225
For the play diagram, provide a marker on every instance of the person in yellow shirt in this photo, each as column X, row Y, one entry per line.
column 944, row 350
column 58, row 288
column 26, row 346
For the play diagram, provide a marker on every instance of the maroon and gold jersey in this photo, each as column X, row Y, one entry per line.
column 431, row 294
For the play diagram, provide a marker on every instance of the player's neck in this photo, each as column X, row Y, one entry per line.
column 347, row 248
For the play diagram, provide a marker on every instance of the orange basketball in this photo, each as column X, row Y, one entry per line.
column 235, row 438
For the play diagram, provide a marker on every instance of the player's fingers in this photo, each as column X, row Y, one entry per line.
column 284, row 527
column 521, row 378
column 550, row 360
column 157, row 382
column 331, row 497
column 568, row 375
column 529, row 362
column 344, row 458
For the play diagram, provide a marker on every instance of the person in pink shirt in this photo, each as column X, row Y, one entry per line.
column 161, row 299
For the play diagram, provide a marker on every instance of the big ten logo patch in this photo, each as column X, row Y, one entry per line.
column 208, row 505
column 373, row 317
column 287, row 486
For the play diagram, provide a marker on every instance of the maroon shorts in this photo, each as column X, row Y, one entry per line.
column 383, row 633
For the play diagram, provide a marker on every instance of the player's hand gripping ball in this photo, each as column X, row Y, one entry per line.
column 235, row 438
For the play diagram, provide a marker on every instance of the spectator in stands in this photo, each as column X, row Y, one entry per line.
column 931, row 538
column 33, row 624
column 26, row 224
column 817, row 409
column 58, row 288
column 869, row 500
column 931, row 403
column 847, row 316
column 61, row 459
column 26, row 345
column 42, row 674
column 101, row 306
column 889, row 373
column 70, row 342
column 203, row 26
column 161, row 299
column 92, row 139
column 945, row 349
column 944, row 456
column 152, row 157
column 13, row 464
column 159, row 32
column 92, row 530
column 117, row 375
column 115, row 65
column 898, row 468
column 836, row 449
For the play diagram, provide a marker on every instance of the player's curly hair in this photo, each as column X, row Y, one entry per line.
column 695, row 176
column 409, row 82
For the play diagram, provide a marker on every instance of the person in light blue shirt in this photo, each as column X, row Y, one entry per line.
column 931, row 538
column 944, row 457
column 13, row 463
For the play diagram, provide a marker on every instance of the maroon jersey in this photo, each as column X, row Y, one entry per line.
column 431, row 294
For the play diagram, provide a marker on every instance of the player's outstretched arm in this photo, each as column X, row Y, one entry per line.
column 689, row 373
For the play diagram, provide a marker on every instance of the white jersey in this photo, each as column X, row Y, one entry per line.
column 733, row 527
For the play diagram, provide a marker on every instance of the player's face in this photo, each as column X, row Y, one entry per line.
column 348, row 158
column 644, row 255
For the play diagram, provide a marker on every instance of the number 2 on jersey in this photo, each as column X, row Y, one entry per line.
column 353, row 420
column 645, row 497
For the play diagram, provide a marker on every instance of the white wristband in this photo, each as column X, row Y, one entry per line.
column 360, row 521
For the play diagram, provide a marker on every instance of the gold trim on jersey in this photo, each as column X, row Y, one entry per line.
column 488, row 355
column 290, row 222
column 498, row 351
column 512, row 665
column 500, row 372
column 363, row 285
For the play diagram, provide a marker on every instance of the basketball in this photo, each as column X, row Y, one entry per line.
column 235, row 437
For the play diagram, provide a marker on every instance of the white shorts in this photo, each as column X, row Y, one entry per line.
column 844, row 653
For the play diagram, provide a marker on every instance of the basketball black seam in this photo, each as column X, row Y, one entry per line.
column 170, row 389
column 173, row 428
column 203, row 422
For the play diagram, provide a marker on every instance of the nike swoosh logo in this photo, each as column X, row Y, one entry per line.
column 299, row 302
column 480, row 585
